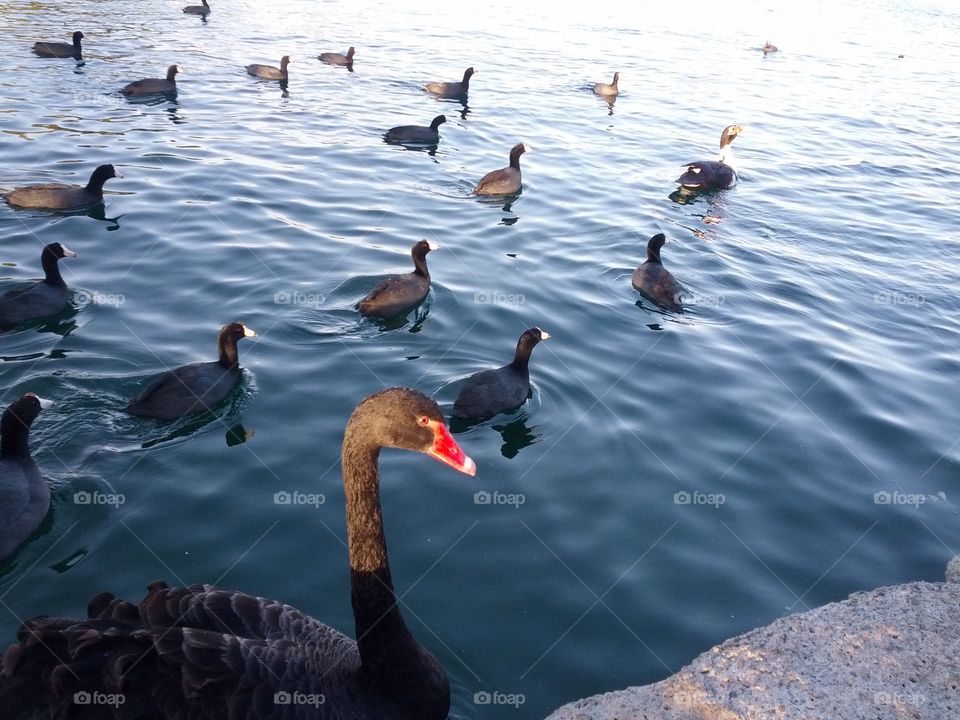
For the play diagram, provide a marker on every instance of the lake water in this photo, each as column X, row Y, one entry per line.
column 804, row 405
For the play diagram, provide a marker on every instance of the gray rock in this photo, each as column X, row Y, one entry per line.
column 889, row 654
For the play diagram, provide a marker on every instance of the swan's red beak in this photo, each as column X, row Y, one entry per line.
column 446, row 450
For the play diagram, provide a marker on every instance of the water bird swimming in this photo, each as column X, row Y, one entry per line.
column 656, row 282
column 490, row 392
column 59, row 49
column 398, row 293
column 152, row 86
column 505, row 181
column 714, row 174
column 198, row 387
column 204, row 652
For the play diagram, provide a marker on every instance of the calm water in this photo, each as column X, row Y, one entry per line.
column 817, row 368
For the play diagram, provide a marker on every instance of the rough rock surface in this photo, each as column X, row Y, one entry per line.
column 889, row 654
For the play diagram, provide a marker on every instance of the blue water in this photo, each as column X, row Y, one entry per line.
column 815, row 368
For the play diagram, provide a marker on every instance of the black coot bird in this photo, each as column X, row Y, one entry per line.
column 154, row 86
column 269, row 72
column 606, row 90
column 204, row 9
column 59, row 49
column 197, row 387
column 58, row 196
column 332, row 58
column 714, row 174
column 24, row 494
column 452, row 89
column 38, row 299
column 399, row 293
column 505, row 181
column 416, row 134
column 203, row 652
column 490, row 392
column 653, row 280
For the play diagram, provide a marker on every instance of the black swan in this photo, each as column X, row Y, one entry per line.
column 452, row 89
column 610, row 90
column 337, row 59
column 269, row 72
column 57, row 196
column 197, row 387
column 201, row 652
column 416, row 134
column 714, row 174
column 154, row 86
column 24, row 494
column 41, row 298
column 489, row 392
column 59, row 49
column 655, row 281
column 399, row 293
column 505, row 181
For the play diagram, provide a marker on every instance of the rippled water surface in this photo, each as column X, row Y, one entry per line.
column 790, row 438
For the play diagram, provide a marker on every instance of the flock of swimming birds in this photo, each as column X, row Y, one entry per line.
column 202, row 652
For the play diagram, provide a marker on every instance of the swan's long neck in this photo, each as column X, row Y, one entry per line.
column 385, row 643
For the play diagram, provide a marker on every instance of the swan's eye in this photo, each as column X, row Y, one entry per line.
column 423, row 421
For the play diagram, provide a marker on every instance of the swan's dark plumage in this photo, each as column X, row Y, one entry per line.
column 59, row 49
column 452, row 89
column 399, row 293
column 154, row 86
column 269, row 72
column 57, row 196
column 38, row 299
column 714, row 174
column 202, row 653
column 417, row 134
column 505, row 181
column 24, row 494
column 611, row 90
column 655, row 281
column 197, row 387
column 203, row 9
column 489, row 392
column 332, row 58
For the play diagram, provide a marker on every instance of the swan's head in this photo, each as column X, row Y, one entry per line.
column 409, row 420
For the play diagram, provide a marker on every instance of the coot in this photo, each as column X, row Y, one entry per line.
column 606, row 90
column 490, row 392
column 452, row 89
column 505, row 181
column 332, row 58
column 152, row 86
column 416, row 134
column 399, row 293
column 269, row 72
column 57, row 196
column 59, row 49
column 197, row 387
column 24, row 494
column 204, row 9
column 655, row 281
column 38, row 299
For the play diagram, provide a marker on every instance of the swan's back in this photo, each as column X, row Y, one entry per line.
column 194, row 652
